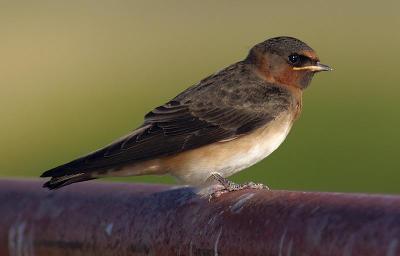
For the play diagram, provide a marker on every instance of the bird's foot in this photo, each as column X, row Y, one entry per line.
column 224, row 186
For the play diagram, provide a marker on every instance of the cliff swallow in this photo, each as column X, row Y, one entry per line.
column 224, row 124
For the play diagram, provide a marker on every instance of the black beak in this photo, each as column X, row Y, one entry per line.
column 323, row 67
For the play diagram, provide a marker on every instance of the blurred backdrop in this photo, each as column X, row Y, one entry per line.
column 75, row 75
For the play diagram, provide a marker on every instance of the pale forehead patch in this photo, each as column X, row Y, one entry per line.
column 310, row 54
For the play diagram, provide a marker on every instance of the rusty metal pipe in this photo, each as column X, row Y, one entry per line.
column 129, row 219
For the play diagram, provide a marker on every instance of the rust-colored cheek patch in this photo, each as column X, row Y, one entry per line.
column 285, row 76
column 289, row 77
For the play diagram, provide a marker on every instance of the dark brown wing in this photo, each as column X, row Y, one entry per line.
column 206, row 115
column 169, row 131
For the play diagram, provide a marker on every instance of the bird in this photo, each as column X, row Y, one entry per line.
column 227, row 122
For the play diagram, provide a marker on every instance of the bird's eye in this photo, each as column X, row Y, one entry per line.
column 294, row 59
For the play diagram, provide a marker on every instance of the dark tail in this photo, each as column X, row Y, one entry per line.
column 58, row 182
column 66, row 174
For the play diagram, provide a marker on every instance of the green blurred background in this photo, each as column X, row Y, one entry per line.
column 75, row 75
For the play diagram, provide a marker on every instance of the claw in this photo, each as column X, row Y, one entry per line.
column 224, row 186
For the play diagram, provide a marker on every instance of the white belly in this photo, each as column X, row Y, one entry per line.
column 227, row 158
column 267, row 143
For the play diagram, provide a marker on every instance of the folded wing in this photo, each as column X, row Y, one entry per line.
column 167, row 130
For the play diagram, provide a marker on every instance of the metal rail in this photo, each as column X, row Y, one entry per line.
column 129, row 219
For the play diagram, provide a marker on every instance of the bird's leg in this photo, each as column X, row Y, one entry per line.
column 229, row 186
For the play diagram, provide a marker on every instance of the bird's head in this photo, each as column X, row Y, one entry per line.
column 286, row 60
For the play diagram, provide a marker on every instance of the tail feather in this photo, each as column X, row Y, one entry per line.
column 70, row 168
column 58, row 182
